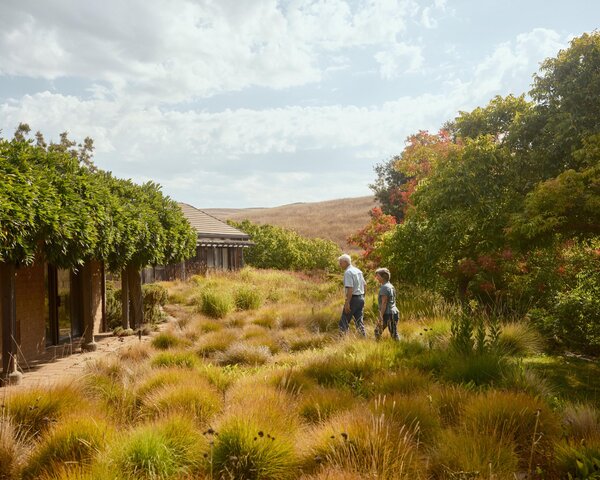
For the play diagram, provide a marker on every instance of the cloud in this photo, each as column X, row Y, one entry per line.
column 191, row 49
column 398, row 59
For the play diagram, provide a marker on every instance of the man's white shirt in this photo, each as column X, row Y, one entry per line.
column 353, row 278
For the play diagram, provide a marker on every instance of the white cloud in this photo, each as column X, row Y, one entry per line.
column 189, row 49
column 398, row 59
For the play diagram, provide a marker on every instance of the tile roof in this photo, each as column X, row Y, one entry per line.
column 208, row 226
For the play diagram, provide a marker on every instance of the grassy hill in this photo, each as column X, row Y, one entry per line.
column 333, row 219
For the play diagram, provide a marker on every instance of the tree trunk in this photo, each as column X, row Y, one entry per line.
column 8, row 321
column 124, row 300
column 87, row 293
column 134, row 282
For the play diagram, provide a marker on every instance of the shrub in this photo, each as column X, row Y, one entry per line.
column 247, row 298
column 113, row 307
column 244, row 354
column 359, row 441
column 321, row 403
column 155, row 297
column 169, row 448
column 514, row 417
column 579, row 460
column 166, row 340
column 75, row 440
column 520, row 339
column 33, row 411
column 12, row 450
column 197, row 399
column 473, row 455
column 245, row 449
column 175, row 359
column 215, row 304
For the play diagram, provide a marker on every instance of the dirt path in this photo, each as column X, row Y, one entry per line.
column 48, row 371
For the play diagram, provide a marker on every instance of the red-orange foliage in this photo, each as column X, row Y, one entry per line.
column 367, row 237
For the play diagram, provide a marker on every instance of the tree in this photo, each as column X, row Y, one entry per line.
column 368, row 237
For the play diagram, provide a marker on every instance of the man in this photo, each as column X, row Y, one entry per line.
column 354, row 290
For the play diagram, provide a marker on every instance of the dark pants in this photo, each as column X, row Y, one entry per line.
column 357, row 305
column 390, row 321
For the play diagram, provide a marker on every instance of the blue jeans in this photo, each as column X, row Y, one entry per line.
column 357, row 305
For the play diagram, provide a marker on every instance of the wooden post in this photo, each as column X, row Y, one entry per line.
column 124, row 300
column 87, row 299
column 8, row 319
column 134, row 282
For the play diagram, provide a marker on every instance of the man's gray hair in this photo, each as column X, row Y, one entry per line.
column 345, row 258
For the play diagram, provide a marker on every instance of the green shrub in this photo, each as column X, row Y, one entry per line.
column 175, row 359
column 33, row 411
column 113, row 306
column 154, row 296
column 247, row 298
column 170, row 448
column 166, row 340
column 215, row 304
column 75, row 440
column 244, row 449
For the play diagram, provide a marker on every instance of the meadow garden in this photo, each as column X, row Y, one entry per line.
column 250, row 379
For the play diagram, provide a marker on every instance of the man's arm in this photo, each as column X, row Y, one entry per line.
column 349, row 291
column 383, row 307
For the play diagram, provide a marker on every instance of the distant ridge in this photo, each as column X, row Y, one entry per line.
column 332, row 219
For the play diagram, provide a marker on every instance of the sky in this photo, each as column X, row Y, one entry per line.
column 258, row 103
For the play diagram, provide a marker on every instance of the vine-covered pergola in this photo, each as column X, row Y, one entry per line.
column 55, row 205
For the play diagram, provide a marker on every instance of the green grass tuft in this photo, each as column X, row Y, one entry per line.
column 215, row 304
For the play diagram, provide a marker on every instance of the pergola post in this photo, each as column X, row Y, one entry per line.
column 8, row 319
column 88, row 343
column 124, row 300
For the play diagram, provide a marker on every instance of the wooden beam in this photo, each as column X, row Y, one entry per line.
column 8, row 319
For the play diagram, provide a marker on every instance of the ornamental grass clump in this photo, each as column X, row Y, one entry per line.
column 216, row 341
column 32, row 412
column 321, row 403
column 245, row 449
column 198, row 400
column 169, row 448
column 166, row 340
column 520, row 339
column 13, row 450
column 581, row 422
column 525, row 421
column 247, row 298
column 175, row 359
column 362, row 442
column 402, row 380
column 74, row 441
column 465, row 454
column 244, row 354
column 215, row 304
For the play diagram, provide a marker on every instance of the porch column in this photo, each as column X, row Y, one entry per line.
column 8, row 319
column 124, row 300
column 87, row 299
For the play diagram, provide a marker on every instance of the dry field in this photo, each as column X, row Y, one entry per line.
column 333, row 220
column 252, row 381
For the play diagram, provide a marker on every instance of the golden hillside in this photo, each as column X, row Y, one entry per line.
column 333, row 219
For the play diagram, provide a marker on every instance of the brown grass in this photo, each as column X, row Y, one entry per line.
column 333, row 219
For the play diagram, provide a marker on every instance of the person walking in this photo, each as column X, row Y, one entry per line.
column 386, row 300
column 354, row 290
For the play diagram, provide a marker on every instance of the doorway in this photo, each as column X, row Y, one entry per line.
column 64, row 320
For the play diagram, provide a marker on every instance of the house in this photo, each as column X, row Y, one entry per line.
column 219, row 247
column 44, row 308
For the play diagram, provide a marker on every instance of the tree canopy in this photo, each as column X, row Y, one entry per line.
column 54, row 202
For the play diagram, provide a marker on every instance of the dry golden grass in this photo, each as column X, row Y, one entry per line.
column 334, row 220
